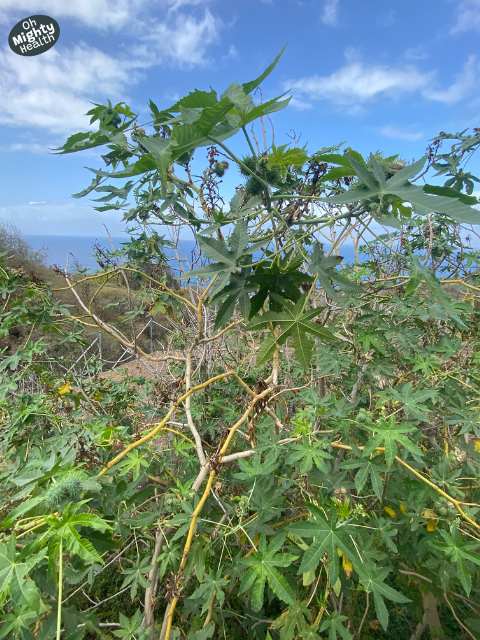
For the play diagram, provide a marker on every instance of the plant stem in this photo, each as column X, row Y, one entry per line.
column 240, row 163
column 247, row 137
column 60, row 590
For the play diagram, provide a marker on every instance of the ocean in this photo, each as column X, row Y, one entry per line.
column 75, row 251
column 71, row 250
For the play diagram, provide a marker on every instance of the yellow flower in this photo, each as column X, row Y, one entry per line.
column 431, row 525
column 476, row 445
column 391, row 513
column 403, row 507
column 347, row 566
column 65, row 389
column 431, row 518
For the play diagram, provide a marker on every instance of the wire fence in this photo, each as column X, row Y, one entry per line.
column 92, row 359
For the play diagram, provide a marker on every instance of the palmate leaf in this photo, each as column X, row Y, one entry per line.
column 212, row 586
column 308, row 453
column 282, row 158
column 293, row 322
column 160, row 150
column 368, row 469
column 373, row 188
column 18, row 625
column 390, row 436
column 66, row 527
column 462, row 553
column 136, row 577
column 334, row 624
column 265, row 108
column 130, row 628
column 373, row 580
column 236, row 292
column 205, row 118
column 79, row 546
column 262, row 568
column 328, row 536
column 260, row 464
column 293, row 623
column 227, row 257
column 412, row 400
column 187, row 136
column 325, row 268
column 14, row 575
column 280, row 277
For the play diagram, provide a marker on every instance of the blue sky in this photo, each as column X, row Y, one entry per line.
column 378, row 75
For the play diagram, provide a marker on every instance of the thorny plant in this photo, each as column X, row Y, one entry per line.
column 327, row 489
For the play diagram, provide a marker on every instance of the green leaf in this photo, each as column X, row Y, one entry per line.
column 399, row 187
column 262, row 568
column 334, row 624
column 212, row 586
column 83, row 140
column 391, row 436
column 130, row 628
column 461, row 552
column 196, row 100
column 451, row 193
column 282, row 157
column 361, row 169
column 423, row 202
column 308, row 453
column 373, row 580
column 328, row 537
column 325, row 269
column 412, row 400
column 160, row 150
column 248, row 87
column 228, row 257
column 14, row 574
column 297, row 323
column 410, row 171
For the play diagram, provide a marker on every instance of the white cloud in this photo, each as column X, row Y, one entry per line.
column 330, row 12
column 399, row 133
column 300, row 105
column 54, row 90
column 183, row 41
column 357, row 83
column 174, row 5
column 468, row 16
column 99, row 14
column 462, row 86
column 231, row 54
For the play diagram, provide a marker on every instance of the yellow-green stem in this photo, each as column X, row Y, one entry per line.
column 60, row 590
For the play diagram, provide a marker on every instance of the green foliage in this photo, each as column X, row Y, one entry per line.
column 293, row 322
column 346, row 496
